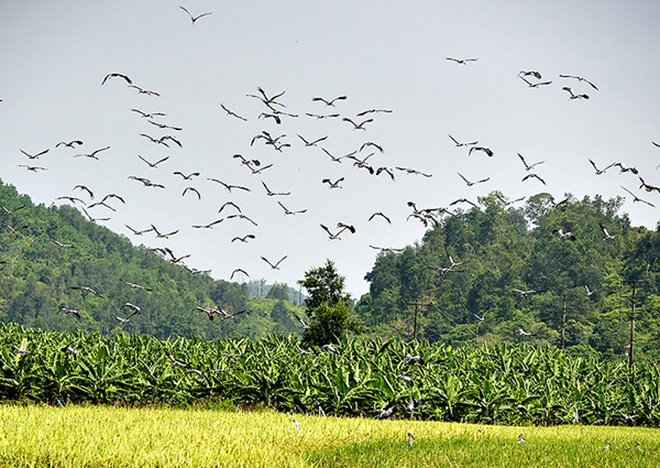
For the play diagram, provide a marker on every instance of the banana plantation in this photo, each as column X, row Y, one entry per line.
column 505, row 385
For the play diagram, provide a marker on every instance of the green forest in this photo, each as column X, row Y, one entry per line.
column 573, row 274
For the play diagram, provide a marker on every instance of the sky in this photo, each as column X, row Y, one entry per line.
column 381, row 55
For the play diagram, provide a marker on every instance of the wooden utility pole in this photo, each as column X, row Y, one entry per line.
column 417, row 304
column 631, row 358
column 563, row 321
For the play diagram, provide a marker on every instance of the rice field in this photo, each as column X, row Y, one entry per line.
column 81, row 436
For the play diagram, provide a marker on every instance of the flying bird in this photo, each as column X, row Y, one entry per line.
column 533, row 73
column 186, row 176
column 471, row 183
column 484, row 149
column 93, row 154
column 270, row 193
column 144, row 91
column 244, row 239
column 579, row 78
column 192, row 189
column 269, row 101
column 459, row 144
column 523, row 293
column 572, row 94
column 275, row 266
column 195, row 18
column 313, row 142
column 357, row 126
column 230, row 203
column 134, row 285
column 648, row 187
column 371, row 143
column 290, row 212
column 238, row 270
column 378, row 213
column 232, row 113
column 373, row 111
column 148, row 115
column 522, row 332
column 600, row 171
column 154, row 164
column 69, row 144
column 34, row 156
column 623, row 168
column 116, row 75
column 564, row 235
column 529, row 167
column 412, row 171
column 74, row 312
column 536, row 84
column 636, row 198
column 229, row 187
column 86, row 189
column 333, row 184
column 209, row 225
column 329, row 102
column 462, row 61
column 533, row 176
column 606, row 234
column 342, row 227
column 165, row 126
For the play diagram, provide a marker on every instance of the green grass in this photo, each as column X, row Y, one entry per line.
column 107, row 436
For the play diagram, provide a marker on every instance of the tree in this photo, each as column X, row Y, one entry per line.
column 327, row 306
column 278, row 291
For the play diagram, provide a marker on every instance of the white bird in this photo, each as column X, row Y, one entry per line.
column 459, row 144
column 589, row 291
column 522, row 332
column 536, row 84
column 471, row 183
column 579, row 78
column 564, row 235
column 606, row 234
column 529, row 166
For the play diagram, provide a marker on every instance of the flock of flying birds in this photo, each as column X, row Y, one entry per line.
column 274, row 109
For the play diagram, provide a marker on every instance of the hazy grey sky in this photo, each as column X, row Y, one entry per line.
column 381, row 54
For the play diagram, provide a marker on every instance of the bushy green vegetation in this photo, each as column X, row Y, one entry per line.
column 501, row 385
column 37, row 277
column 118, row 437
column 500, row 248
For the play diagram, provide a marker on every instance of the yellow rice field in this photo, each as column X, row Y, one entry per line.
column 96, row 436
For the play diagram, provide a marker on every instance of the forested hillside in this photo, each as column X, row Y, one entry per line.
column 503, row 273
column 51, row 256
column 545, row 272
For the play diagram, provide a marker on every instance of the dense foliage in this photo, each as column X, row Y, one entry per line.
column 38, row 277
column 582, row 285
column 506, row 384
column 327, row 306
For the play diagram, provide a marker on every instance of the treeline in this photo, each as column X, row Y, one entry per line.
column 48, row 253
column 516, row 277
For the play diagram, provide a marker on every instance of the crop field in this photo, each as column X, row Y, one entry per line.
column 108, row 436
column 518, row 385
